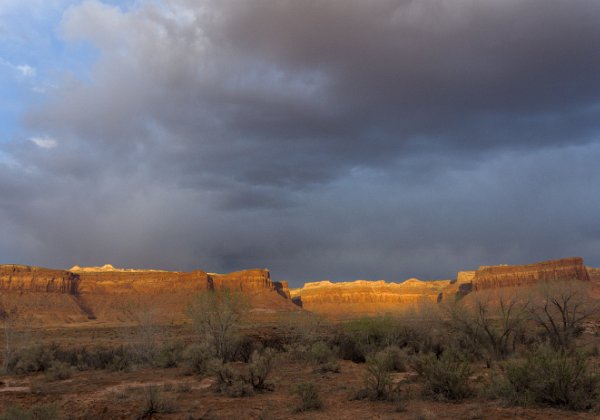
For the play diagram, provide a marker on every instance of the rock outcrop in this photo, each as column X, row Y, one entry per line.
column 594, row 274
column 141, row 282
column 110, row 294
column 340, row 300
column 375, row 297
column 36, row 279
column 489, row 277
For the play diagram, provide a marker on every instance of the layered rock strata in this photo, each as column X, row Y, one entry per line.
column 566, row 269
column 35, row 279
column 120, row 295
column 369, row 297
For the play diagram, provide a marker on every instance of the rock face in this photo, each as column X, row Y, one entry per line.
column 340, row 300
column 243, row 281
column 488, row 277
column 117, row 295
column 141, row 282
column 36, row 279
column 375, row 297
column 594, row 274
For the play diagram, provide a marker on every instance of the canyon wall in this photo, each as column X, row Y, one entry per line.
column 36, row 279
column 594, row 274
column 108, row 294
column 376, row 297
column 488, row 277
column 340, row 300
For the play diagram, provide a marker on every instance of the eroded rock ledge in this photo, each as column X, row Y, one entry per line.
column 367, row 297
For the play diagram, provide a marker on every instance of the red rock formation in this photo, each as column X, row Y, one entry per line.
column 245, row 281
column 117, row 295
column 594, row 274
column 368, row 297
column 283, row 289
column 23, row 278
column 142, row 282
column 488, row 277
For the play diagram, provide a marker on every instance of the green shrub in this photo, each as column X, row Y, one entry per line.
column 378, row 381
column 111, row 358
column 196, row 358
column 309, row 397
column 549, row 377
column 35, row 412
column 58, row 371
column 229, row 381
column 243, row 347
column 332, row 366
column 320, row 352
column 323, row 356
column 36, row 358
column 395, row 358
column 169, row 355
column 260, row 368
column 349, row 348
column 446, row 377
column 237, row 384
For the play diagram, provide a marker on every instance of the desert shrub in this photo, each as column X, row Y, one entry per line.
column 300, row 327
column 549, row 377
column 112, row 358
column 373, row 334
column 324, row 356
column 196, row 358
column 332, row 366
column 243, row 347
column 169, row 355
column 34, row 412
column 155, row 403
column 349, row 348
column 298, row 351
column 260, row 368
column 229, row 381
column 489, row 328
column 377, row 380
column 395, row 358
column 216, row 317
column 58, row 371
column 309, row 397
column 320, row 352
column 445, row 377
column 237, row 384
column 561, row 309
column 36, row 358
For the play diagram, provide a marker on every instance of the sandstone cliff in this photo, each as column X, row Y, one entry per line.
column 36, row 279
column 110, row 294
column 344, row 299
column 594, row 273
column 487, row 277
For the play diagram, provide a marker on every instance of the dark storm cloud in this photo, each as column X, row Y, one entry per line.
column 338, row 139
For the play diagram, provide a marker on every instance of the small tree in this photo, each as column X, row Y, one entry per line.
column 490, row 323
column 561, row 310
column 216, row 316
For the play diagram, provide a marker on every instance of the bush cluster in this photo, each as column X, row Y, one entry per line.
column 549, row 377
column 309, row 397
column 234, row 383
column 446, row 377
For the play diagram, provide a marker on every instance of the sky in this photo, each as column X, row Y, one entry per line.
column 335, row 139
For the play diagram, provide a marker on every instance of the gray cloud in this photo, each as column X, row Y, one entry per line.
column 331, row 139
